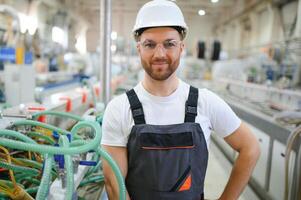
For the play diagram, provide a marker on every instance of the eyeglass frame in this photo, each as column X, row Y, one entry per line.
column 177, row 42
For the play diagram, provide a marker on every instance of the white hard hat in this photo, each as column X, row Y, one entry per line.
column 158, row 13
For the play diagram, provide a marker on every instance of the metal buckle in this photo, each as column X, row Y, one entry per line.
column 191, row 110
column 137, row 112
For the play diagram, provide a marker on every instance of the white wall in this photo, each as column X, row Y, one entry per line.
column 200, row 28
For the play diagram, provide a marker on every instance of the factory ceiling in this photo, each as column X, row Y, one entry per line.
column 189, row 7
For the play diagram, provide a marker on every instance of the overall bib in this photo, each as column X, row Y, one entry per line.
column 166, row 162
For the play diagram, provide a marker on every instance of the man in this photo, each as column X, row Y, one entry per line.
column 159, row 131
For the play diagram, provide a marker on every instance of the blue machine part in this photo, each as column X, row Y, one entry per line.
column 28, row 58
column 8, row 54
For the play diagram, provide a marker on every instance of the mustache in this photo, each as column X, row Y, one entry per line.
column 159, row 61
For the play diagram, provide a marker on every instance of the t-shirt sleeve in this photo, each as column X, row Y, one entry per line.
column 112, row 131
column 223, row 119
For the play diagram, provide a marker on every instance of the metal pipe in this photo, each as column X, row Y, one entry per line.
column 298, row 183
column 105, row 50
column 14, row 116
column 289, row 146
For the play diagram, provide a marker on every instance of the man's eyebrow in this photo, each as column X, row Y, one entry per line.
column 148, row 40
column 167, row 40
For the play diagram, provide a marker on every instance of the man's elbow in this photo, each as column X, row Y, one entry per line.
column 253, row 151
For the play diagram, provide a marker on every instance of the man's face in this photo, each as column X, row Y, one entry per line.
column 160, row 50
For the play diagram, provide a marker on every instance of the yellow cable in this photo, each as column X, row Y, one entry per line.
column 29, row 155
column 44, row 131
column 11, row 173
column 21, row 163
column 5, row 189
column 38, row 157
column 14, row 160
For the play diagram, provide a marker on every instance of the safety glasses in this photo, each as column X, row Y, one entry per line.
column 169, row 45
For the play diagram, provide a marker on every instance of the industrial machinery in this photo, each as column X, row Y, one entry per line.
column 274, row 117
column 52, row 150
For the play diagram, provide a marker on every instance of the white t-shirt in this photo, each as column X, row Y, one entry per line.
column 213, row 114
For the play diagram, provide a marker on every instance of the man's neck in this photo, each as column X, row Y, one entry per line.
column 161, row 88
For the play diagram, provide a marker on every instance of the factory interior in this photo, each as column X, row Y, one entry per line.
column 63, row 61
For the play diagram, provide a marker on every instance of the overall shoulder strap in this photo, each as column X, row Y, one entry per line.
column 191, row 105
column 136, row 107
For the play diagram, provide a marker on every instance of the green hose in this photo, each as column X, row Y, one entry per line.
column 30, row 163
column 32, row 190
column 46, row 178
column 99, row 178
column 9, row 183
column 115, row 168
column 34, row 164
column 30, row 179
column 86, row 146
column 93, row 169
column 19, row 176
column 82, row 124
column 16, row 135
column 16, row 168
column 44, row 137
column 89, row 145
column 3, row 196
column 76, row 143
column 69, row 168
column 56, row 113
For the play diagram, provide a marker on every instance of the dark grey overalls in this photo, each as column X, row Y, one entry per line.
column 166, row 162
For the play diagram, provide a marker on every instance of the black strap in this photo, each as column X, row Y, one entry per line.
column 136, row 107
column 191, row 105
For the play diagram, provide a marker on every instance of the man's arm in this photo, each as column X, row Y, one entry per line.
column 119, row 154
column 246, row 144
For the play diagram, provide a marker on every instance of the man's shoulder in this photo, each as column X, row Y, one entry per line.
column 118, row 101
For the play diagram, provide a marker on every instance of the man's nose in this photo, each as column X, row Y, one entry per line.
column 160, row 51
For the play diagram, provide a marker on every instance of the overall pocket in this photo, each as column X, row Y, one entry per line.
column 166, row 161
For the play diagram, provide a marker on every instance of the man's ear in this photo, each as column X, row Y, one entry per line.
column 138, row 47
column 182, row 46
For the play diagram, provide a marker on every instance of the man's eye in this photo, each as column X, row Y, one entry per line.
column 150, row 45
column 170, row 44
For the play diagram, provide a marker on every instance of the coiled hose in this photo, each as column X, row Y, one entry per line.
column 16, row 168
column 69, row 166
column 46, row 178
column 58, row 114
column 46, row 149
column 87, row 146
column 115, row 168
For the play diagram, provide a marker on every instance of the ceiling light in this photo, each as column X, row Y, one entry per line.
column 214, row 1
column 58, row 35
column 113, row 48
column 202, row 12
column 114, row 35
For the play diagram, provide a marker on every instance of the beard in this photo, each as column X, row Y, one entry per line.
column 160, row 69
